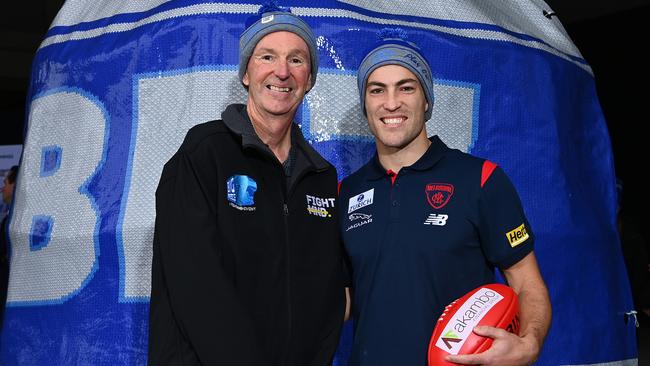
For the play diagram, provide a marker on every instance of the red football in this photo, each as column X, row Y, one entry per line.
column 494, row 304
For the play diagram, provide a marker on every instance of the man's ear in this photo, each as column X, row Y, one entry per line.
column 309, row 82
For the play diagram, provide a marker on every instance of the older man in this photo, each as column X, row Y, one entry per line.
column 424, row 224
column 247, row 266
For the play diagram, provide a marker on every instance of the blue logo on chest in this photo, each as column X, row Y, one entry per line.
column 241, row 190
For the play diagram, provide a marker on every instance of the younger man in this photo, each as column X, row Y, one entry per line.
column 424, row 224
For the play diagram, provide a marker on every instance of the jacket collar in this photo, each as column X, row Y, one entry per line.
column 238, row 122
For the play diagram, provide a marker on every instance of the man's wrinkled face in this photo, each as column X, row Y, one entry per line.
column 278, row 74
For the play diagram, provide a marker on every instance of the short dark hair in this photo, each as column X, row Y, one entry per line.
column 11, row 176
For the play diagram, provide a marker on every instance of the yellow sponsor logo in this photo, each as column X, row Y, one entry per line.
column 517, row 236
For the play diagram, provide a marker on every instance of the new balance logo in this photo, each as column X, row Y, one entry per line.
column 436, row 219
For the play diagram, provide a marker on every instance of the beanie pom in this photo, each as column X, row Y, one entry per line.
column 393, row 33
column 268, row 7
column 272, row 6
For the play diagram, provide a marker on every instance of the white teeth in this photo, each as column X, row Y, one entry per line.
column 391, row 121
column 277, row 88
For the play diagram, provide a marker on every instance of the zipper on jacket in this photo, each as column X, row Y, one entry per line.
column 287, row 242
column 288, row 192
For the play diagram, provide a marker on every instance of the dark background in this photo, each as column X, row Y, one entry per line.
column 609, row 34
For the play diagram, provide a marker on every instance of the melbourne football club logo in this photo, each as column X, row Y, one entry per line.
column 438, row 194
column 241, row 192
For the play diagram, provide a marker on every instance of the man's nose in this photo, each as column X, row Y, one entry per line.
column 392, row 101
column 282, row 69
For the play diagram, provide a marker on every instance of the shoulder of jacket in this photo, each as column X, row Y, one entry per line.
column 202, row 132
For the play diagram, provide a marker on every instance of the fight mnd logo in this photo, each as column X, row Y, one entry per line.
column 319, row 206
column 241, row 192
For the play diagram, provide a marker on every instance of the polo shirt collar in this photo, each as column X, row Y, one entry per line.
column 434, row 153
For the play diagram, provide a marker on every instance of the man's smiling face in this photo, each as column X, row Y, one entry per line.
column 278, row 74
column 395, row 107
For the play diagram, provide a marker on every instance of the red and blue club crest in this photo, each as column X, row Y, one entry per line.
column 438, row 194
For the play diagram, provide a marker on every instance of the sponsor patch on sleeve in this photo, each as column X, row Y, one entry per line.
column 517, row 236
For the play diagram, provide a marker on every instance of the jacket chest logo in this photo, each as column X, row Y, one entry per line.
column 438, row 194
column 320, row 206
column 240, row 192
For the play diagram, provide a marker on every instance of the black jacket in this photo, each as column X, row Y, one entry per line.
column 245, row 276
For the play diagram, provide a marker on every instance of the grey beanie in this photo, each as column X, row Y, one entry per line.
column 272, row 18
column 394, row 49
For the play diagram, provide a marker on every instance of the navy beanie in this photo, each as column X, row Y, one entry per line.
column 394, row 49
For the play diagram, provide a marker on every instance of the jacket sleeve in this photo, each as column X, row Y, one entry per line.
column 195, row 314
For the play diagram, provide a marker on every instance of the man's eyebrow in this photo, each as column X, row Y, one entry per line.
column 405, row 81
column 298, row 51
column 399, row 83
column 265, row 50
column 375, row 83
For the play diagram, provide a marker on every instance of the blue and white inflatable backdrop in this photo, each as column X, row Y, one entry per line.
column 115, row 86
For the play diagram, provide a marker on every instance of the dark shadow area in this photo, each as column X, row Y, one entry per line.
column 613, row 46
column 22, row 28
column 12, row 115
